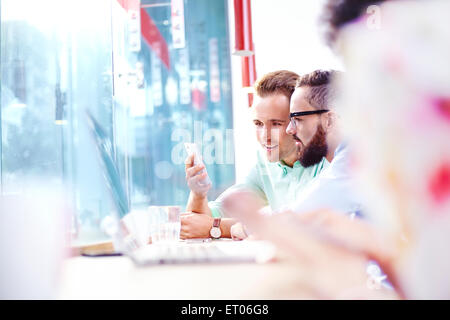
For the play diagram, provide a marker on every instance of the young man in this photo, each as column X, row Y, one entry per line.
column 276, row 179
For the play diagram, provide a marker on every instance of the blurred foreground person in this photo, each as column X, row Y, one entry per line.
column 395, row 106
column 401, row 135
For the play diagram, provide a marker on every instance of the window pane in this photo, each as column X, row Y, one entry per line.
column 53, row 69
column 172, row 85
column 31, row 79
column 184, row 96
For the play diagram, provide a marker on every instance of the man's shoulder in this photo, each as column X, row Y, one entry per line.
column 339, row 166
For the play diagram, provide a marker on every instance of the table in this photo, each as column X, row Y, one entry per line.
column 336, row 277
column 118, row 278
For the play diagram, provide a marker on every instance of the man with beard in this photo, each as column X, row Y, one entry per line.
column 314, row 126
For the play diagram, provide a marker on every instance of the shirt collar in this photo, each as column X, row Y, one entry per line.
column 287, row 168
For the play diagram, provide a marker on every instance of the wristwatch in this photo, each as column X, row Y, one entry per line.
column 215, row 230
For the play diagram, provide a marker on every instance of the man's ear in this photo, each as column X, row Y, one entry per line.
column 329, row 120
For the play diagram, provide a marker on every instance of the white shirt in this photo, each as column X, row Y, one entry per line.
column 332, row 189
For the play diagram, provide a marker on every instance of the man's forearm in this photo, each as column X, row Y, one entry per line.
column 198, row 204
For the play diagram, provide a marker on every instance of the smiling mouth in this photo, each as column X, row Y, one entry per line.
column 270, row 147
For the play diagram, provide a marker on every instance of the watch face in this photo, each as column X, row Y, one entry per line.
column 215, row 232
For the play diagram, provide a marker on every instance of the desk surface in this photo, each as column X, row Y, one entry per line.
column 118, row 278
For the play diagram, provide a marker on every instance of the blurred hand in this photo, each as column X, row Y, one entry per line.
column 195, row 225
column 333, row 263
column 353, row 233
column 194, row 178
column 358, row 236
column 238, row 231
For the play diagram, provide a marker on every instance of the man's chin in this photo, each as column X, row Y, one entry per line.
column 311, row 159
column 272, row 157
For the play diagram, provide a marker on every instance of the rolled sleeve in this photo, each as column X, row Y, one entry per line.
column 252, row 184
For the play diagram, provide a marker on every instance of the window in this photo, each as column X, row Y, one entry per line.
column 150, row 92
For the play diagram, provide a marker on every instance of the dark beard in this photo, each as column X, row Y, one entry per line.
column 315, row 150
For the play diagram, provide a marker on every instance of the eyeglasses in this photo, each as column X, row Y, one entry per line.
column 293, row 115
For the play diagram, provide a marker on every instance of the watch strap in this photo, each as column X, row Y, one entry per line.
column 216, row 222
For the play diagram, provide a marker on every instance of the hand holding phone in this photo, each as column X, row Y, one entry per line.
column 194, row 183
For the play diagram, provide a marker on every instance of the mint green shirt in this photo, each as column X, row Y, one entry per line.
column 276, row 183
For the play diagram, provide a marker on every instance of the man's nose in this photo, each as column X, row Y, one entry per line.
column 290, row 129
column 265, row 134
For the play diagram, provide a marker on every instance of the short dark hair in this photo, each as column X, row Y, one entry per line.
column 276, row 82
column 338, row 13
column 320, row 91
